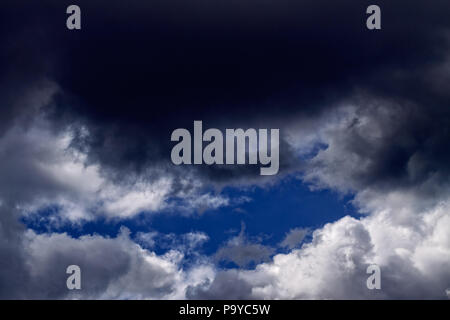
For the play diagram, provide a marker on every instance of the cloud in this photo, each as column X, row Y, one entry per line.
column 86, row 120
column 226, row 78
column 34, row 265
column 12, row 258
column 390, row 154
column 224, row 285
column 195, row 239
column 243, row 251
column 405, row 233
column 398, row 176
column 112, row 268
column 414, row 263
column 123, row 122
column 295, row 237
column 188, row 243
column 41, row 169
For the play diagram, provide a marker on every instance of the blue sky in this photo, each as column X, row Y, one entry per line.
column 268, row 214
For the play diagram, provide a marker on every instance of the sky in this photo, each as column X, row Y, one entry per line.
column 87, row 179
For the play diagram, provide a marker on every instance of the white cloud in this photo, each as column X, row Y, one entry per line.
column 415, row 263
column 121, row 201
column 111, row 268
column 405, row 229
column 40, row 169
column 195, row 239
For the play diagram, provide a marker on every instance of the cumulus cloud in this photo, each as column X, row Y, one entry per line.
column 414, row 263
column 400, row 185
column 34, row 265
column 112, row 268
column 405, row 231
column 41, row 169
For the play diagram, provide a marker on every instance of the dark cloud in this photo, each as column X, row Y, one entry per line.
column 13, row 260
column 386, row 145
column 132, row 75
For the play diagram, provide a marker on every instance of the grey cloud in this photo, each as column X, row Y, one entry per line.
column 243, row 251
column 295, row 237
column 226, row 285
column 12, row 258
column 111, row 268
column 380, row 145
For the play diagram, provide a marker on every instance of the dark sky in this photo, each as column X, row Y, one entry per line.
column 132, row 75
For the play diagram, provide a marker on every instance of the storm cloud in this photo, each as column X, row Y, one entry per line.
column 129, row 78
